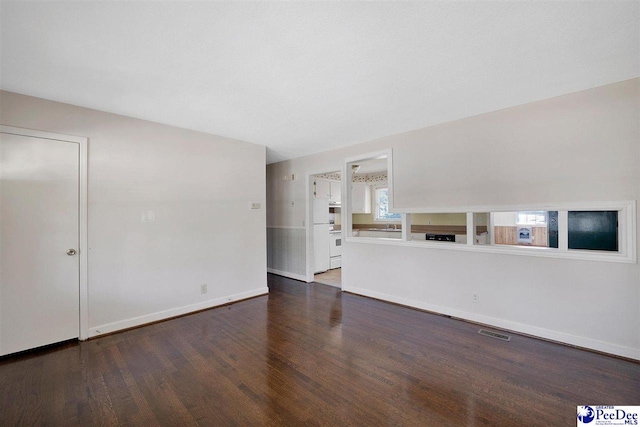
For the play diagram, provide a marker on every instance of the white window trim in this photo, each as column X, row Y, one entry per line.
column 627, row 233
column 347, row 173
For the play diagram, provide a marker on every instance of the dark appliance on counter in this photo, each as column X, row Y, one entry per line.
column 442, row 237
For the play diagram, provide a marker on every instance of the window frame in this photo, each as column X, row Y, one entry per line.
column 347, row 173
column 627, row 232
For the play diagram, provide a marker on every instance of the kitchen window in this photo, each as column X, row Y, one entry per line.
column 381, row 209
column 532, row 218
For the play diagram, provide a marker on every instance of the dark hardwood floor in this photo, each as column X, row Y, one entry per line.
column 309, row 354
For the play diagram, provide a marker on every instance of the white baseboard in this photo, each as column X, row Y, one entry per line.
column 584, row 342
column 288, row 274
column 166, row 314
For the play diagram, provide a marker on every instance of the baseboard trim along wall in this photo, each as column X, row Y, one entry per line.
column 166, row 314
column 578, row 341
column 288, row 274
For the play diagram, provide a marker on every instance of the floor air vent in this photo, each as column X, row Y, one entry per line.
column 494, row 335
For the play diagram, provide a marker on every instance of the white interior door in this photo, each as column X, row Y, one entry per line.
column 39, row 242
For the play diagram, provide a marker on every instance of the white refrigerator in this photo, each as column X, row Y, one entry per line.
column 321, row 244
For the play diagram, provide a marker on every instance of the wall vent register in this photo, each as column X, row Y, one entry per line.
column 492, row 334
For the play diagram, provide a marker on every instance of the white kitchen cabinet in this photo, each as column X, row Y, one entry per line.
column 331, row 190
column 336, row 192
column 381, row 234
column 360, row 198
column 323, row 188
column 367, row 233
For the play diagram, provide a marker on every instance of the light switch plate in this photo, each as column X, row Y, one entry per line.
column 255, row 205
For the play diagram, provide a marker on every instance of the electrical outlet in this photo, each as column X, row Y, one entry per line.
column 429, row 222
column 475, row 298
column 203, row 288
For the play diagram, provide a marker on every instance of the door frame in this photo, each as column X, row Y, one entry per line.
column 308, row 214
column 83, row 242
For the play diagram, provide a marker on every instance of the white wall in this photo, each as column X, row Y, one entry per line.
column 589, row 304
column 199, row 188
column 581, row 147
column 578, row 147
column 505, row 219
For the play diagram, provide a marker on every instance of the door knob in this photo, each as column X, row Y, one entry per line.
column 71, row 252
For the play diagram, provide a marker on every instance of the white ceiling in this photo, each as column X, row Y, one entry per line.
column 305, row 77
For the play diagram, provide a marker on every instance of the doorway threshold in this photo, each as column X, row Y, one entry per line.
column 330, row 277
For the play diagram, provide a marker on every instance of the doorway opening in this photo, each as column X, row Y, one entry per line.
column 325, row 218
column 331, row 277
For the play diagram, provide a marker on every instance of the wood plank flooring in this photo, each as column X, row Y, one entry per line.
column 308, row 354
